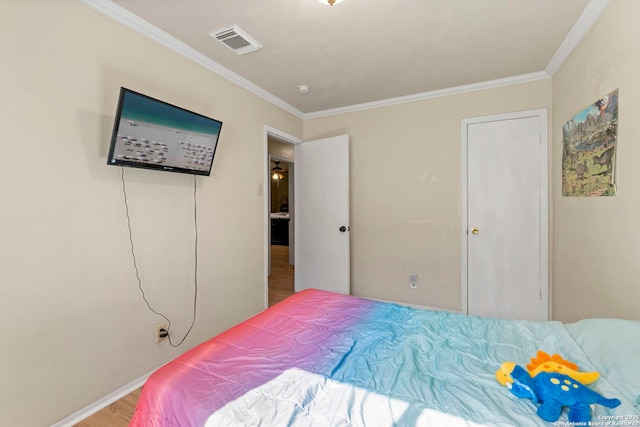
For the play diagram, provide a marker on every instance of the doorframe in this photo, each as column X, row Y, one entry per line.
column 542, row 115
column 265, row 190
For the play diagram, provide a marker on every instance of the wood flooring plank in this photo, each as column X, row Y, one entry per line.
column 281, row 280
column 118, row 414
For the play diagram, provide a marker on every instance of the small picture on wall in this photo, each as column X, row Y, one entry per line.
column 589, row 142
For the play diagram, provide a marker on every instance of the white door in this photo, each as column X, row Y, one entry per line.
column 506, row 216
column 322, row 215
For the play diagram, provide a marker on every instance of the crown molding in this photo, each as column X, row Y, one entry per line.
column 522, row 78
column 138, row 24
column 589, row 16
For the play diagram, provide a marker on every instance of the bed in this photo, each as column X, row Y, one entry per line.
column 325, row 359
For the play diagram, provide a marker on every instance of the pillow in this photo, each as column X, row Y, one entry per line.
column 613, row 346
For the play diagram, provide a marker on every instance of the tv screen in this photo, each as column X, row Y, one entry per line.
column 152, row 134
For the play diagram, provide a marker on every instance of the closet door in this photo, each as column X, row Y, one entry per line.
column 506, row 217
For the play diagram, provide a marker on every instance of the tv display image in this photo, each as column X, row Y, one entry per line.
column 152, row 134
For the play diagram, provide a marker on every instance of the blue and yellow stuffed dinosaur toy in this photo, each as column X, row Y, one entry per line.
column 553, row 384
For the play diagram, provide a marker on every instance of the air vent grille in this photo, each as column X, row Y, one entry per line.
column 236, row 39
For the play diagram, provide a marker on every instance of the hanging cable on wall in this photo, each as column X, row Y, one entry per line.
column 135, row 264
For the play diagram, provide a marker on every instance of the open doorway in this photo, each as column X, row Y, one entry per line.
column 281, row 268
column 280, row 151
column 319, row 216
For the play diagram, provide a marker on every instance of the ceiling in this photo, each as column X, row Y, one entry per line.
column 367, row 52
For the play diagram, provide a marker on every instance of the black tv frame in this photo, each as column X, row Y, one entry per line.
column 186, row 148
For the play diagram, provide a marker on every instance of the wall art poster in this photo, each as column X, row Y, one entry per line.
column 589, row 142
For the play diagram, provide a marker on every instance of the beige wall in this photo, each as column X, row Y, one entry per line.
column 405, row 189
column 597, row 240
column 76, row 328
column 281, row 150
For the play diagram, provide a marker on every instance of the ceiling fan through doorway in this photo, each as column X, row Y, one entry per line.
column 277, row 172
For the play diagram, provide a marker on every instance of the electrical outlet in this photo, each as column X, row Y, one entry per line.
column 413, row 280
column 159, row 328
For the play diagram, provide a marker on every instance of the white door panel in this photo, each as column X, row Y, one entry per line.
column 506, row 242
column 322, row 251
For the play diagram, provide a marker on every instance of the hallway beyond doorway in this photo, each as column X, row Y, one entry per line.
column 281, row 278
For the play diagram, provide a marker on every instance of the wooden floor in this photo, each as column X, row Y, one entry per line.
column 119, row 413
column 281, row 278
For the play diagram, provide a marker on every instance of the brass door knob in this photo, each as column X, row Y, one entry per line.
column 474, row 231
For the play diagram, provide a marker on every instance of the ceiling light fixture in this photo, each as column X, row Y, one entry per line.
column 330, row 2
column 277, row 172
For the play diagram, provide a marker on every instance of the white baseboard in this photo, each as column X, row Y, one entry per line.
column 102, row 403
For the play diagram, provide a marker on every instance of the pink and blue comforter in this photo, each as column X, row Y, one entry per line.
column 326, row 359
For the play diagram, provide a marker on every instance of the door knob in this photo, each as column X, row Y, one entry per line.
column 474, row 231
column 343, row 229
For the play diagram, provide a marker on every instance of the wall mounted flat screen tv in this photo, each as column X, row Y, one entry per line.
column 152, row 134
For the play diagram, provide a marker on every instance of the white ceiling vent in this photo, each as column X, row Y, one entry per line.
column 236, row 39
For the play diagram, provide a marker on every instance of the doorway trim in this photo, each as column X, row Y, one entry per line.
column 542, row 115
column 264, row 191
